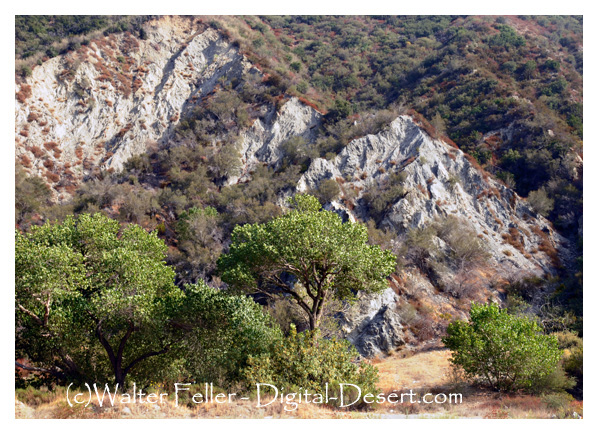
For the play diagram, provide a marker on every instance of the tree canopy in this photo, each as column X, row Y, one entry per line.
column 86, row 289
column 309, row 255
column 95, row 301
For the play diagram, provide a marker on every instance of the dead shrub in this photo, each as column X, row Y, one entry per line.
column 37, row 151
column 25, row 161
column 24, row 93
column 52, row 176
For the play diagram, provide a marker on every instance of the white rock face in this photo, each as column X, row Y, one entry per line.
column 440, row 181
column 127, row 94
column 123, row 95
column 373, row 324
column 262, row 142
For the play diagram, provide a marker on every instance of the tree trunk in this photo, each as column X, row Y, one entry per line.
column 119, row 376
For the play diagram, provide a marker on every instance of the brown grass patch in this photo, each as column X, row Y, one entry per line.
column 50, row 146
column 36, row 151
column 515, row 239
column 52, row 176
column 424, row 372
column 25, row 161
column 546, row 246
column 24, row 93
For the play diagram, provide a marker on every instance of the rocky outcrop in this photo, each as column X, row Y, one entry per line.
column 440, row 181
column 107, row 101
column 373, row 324
column 262, row 142
column 117, row 96
column 114, row 98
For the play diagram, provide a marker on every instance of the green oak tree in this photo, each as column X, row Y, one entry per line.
column 94, row 301
column 505, row 351
column 309, row 255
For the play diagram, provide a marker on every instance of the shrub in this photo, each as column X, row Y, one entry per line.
column 540, row 202
column 25, row 71
column 504, row 351
column 572, row 360
column 24, row 93
column 309, row 361
column 200, row 242
column 561, row 404
column 327, row 191
column 229, row 329
column 378, row 198
column 31, row 195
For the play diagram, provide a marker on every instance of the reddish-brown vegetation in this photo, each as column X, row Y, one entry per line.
column 52, row 176
column 24, row 93
column 37, row 151
column 546, row 246
column 25, row 161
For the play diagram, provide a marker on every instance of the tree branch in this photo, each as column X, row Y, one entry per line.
column 30, row 314
column 146, row 355
column 105, row 343
column 32, row 369
column 130, row 330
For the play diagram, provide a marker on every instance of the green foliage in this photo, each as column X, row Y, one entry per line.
column 504, row 351
column 328, row 190
column 559, row 403
column 295, row 66
column 227, row 331
column 307, row 253
column 93, row 300
column 384, row 194
column 457, row 71
column 308, row 361
column 26, row 71
column 507, row 37
column 572, row 360
column 298, row 152
column 341, row 110
column 528, row 69
column 540, row 202
column 451, row 68
column 51, row 35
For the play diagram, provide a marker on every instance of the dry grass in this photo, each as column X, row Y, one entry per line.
column 24, row 93
column 424, row 372
column 426, row 369
column 56, row 406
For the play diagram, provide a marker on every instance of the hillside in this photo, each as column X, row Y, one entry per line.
column 456, row 141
